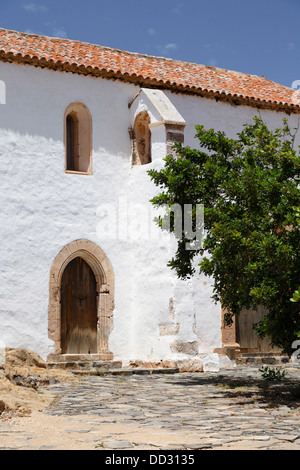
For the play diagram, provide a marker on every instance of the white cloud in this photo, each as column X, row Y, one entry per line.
column 151, row 31
column 35, row 8
column 55, row 29
column 177, row 10
column 213, row 62
column 164, row 50
column 59, row 33
column 171, row 45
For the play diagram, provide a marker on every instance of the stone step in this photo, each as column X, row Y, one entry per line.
column 85, row 365
column 55, row 358
column 107, row 368
column 125, row 372
column 255, row 359
column 261, row 354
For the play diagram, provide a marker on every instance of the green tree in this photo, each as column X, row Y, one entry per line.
column 296, row 295
column 249, row 187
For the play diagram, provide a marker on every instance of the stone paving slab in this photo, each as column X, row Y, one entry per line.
column 233, row 409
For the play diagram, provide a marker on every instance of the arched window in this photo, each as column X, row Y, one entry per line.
column 141, row 140
column 78, row 139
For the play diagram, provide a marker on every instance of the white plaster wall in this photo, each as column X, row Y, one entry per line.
column 224, row 116
column 43, row 209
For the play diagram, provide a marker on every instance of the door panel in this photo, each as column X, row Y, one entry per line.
column 78, row 309
column 246, row 336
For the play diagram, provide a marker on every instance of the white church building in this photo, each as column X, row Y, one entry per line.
column 83, row 270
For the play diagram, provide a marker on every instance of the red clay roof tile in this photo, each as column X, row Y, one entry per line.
column 78, row 57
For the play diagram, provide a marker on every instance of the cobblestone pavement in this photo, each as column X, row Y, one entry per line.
column 233, row 409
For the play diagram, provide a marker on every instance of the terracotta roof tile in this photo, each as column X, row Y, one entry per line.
column 78, row 57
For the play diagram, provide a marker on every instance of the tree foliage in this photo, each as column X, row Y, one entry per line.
column 249, row 187
column 296, row 294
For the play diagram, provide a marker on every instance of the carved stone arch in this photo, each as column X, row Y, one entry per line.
column 101, row 266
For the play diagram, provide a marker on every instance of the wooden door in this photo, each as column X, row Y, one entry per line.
column 78, row 309
column 246, row 336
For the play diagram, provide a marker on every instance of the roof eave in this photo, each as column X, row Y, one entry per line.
column 236, row 100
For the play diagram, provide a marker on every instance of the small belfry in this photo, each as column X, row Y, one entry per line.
column 157, row 125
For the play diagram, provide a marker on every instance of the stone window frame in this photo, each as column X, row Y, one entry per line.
column 82, row 139
column 104, row 275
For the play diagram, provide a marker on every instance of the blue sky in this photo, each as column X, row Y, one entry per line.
column 260, row 37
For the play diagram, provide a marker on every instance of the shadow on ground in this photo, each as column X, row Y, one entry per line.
column 249, row 390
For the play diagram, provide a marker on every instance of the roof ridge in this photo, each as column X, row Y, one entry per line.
column 135, row 54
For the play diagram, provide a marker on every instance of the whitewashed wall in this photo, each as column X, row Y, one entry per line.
column 43, row 209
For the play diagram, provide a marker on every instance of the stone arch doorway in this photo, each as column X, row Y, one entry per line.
column 82, row 282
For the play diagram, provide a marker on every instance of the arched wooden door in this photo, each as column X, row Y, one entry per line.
column 79, row 302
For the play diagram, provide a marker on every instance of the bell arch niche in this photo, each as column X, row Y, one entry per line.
column 156, row 126
column 141, row 139
column 86, row 256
